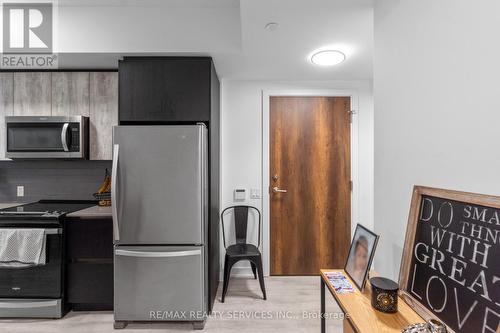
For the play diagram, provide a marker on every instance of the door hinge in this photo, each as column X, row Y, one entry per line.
column 351, row 113
column 350, row 185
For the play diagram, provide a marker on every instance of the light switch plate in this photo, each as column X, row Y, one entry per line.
column 20, row 191
column 254, row 193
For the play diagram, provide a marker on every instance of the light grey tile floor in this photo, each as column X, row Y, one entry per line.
column 293, row 305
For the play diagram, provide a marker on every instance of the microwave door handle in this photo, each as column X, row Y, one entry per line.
column 114, row 193
column 64, row 136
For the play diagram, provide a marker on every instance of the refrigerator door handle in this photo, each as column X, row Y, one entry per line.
column 114, row 193
column 201, row 134
column 154, row 254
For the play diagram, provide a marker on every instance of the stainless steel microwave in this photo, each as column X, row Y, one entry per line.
column 46, row 137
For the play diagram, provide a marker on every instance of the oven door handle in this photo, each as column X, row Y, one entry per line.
column 64, row 136
column 27, row 305
column 53, row 231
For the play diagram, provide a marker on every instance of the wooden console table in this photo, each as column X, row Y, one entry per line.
column 360, row 317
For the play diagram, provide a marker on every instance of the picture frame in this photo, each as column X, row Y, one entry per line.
column 360, row 256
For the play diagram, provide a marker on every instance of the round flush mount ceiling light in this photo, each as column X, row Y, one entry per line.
column 271, row 26
column 327, row 57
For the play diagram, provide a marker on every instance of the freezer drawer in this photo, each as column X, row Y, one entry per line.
column 159, row 283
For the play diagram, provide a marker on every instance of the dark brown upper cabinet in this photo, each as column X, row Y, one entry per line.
column 165, row 89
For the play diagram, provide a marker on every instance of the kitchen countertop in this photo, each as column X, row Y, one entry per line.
column 9, row 204
column 92, row 212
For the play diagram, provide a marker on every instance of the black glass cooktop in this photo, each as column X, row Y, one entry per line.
column 45, row 209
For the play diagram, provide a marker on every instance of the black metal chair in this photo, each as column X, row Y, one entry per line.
column 242, row 250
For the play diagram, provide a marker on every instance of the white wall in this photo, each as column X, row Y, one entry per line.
column 437, row 107
column 241, row 141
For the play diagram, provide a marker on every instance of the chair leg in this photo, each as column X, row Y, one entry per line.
column 228, row 264
column 254, row 270
column 261, row 276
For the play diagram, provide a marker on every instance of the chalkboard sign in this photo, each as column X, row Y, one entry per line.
column 451, row 261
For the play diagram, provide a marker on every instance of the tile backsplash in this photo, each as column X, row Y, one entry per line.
column 51, row 179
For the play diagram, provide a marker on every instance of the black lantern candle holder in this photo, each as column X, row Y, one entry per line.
column 384, row 294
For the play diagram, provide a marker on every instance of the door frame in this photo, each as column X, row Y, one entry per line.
column 266, row 95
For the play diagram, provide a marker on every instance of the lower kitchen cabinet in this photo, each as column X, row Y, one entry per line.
column 89, row 263
column 90, row 286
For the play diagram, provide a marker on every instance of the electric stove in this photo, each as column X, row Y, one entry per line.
column 42, row 212
column 37, row 291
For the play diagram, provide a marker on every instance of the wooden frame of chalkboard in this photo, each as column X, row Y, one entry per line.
column 453, row 275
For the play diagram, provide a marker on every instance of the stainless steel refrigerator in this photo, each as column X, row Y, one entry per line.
column 160, row 220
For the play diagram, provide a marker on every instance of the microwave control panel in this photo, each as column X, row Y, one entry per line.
column 75, row 137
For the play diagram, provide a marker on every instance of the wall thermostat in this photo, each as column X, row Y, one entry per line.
column 240, row 194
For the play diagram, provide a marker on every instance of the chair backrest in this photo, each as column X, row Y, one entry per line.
column 241, row 214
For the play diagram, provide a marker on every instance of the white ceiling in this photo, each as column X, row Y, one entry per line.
column 231, row 31
column 304, row 25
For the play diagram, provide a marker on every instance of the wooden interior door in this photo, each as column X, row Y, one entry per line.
column 309, row 159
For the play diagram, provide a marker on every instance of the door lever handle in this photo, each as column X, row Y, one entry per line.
column 276, row 189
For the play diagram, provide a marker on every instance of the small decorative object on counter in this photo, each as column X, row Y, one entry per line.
column 416, row 328
column 431, row 326
column 384, row 294
column 103, row 194
column 435, row 326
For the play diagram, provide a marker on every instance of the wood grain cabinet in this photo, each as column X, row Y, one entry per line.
column 6, row 106
column 70, row 94
column 90, row 94
column 32, row 94
column 103, row 113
